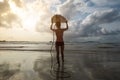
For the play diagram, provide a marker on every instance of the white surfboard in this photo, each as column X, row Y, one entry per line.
column 58, row 18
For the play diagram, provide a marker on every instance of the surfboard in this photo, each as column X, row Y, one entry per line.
column 58, row 18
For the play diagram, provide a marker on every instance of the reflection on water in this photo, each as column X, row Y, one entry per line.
column 28, row 65
column 6, row 72
column 79, row 65
column 18, row 65
column 56, row 72
column 61, row 73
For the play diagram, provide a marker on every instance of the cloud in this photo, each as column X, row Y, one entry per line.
column 18, row 3
column 16, row 11
column 44, row 13
column 110, row 38
column 84, row 27
column 7, row 17
column 91, row 25
column 70, row 9
column 81, row 27
column 106, row 2
column 61, row 8
column 4, row 6
column 85, row 17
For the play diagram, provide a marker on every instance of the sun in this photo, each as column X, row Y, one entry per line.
column 30, row 21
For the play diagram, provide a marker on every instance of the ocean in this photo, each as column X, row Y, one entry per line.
column 46, row 46
column 25, row 60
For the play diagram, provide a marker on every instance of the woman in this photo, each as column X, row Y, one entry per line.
column 59, row 44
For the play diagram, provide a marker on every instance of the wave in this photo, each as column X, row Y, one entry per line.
column 14, row 49
column 45, row 46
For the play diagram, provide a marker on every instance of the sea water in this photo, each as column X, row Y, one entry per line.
column 83, row 61
column 46, row 46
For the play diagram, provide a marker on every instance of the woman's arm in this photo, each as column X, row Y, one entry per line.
column 51, row 27
column 66, row 26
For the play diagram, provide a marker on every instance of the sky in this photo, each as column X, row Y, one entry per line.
column 88, row 20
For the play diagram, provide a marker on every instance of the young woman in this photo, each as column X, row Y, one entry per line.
column 59, row 44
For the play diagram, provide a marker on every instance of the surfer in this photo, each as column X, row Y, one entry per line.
column 59, row 44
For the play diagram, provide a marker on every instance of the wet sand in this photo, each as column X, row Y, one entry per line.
column 78, row 65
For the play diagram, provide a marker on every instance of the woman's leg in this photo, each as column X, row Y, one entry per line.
column 57, row 55
column 62, row 52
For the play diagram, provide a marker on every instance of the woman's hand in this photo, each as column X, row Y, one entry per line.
column 66, row 21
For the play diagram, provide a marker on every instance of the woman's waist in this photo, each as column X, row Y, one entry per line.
column 59, row 40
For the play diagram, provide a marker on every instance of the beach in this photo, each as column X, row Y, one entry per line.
column 83, row 61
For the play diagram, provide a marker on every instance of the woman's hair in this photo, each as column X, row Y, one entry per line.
column 58, row 24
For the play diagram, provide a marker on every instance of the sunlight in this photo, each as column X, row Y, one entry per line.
column 29, row 17
column 16, row 10
column 13, row 7
column 3, row 14
column 1, row 0
column 30, row 22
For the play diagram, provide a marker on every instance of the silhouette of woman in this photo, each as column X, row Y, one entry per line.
column 59, row 44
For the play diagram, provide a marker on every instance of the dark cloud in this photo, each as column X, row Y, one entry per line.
column 70, row 9
column 85, row 19
column 110, row 38
column 18, row 3
column 90, row 26
column 4, row 6
column 106, row 3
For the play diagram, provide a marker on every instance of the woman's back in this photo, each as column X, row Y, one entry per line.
column 59, row 35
